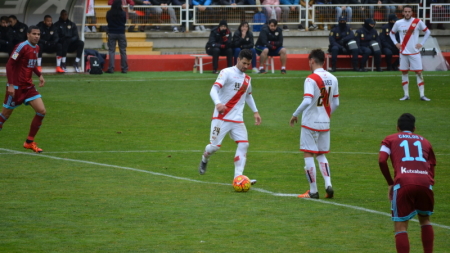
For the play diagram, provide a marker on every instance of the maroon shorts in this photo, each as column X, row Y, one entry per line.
column 21, row 96
column 409, row 200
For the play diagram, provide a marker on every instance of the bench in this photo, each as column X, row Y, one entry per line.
column 371, row 59
column 198, row 62
column 47, row 61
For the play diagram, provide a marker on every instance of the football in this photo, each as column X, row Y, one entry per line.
column 241, row 183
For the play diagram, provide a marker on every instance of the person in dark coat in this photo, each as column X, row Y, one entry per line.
column 220, row 44
column 339, row 37
column 243, row 39
column 5, row 35
column 270, row 43
column 18, row 31
column 389, row 48
column 48, row 42
column 117, row 18
column 365, row 37
column 69, row 39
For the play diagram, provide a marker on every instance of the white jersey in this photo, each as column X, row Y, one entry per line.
column 402, row 26
column 234, row 88
column 321, row 86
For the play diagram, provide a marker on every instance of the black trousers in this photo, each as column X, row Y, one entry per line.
column 335, row 51
column 55, row 48
column 388, row 52
column 366, row 52
column 70, row 47
column 216, row 52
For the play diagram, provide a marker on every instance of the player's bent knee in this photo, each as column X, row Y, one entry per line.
column 212, row 148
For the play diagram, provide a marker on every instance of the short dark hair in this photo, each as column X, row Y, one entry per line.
column 408, row 6
column 47, row 16
column 318, row 55
column 32, row 27
column 13, row 17
column 245, row 53
column 242, row 24
column 63, row 11
column 406, row 122
column 5, row 18
column 273, row 21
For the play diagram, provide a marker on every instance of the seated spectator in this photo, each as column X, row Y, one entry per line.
column 69, row 39
column 131, row 16
column 90, row 17
column 183, row 5
column 5, row 43
column 322, row 15
column 339, row 37
column 220, row 43
column 308, row 6
column 243, row 39
column 379, row 5
column 272, row 12
column 48, row 42
column 270, row 43
column 164, row 6
column 389, row 48
column 18, row 31
column 202, row 13
column 365, row 37
column 344, row 8
column 287, row 10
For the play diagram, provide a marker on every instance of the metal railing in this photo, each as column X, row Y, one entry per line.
column 439, row 13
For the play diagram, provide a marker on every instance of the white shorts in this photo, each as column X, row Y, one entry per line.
column 411, row 62
column 219, row 128
column 314, row 142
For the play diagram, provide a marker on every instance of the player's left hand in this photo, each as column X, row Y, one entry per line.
column 41, row 81
column 293, row 121
column 418, row 46
column 390, row 193
column 257, row 118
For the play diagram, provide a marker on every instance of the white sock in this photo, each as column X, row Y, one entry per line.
column 64, row 59
column 209, row 151
column 283, row 67
column 58, row 61
column 405, row 84
column 240, row 158
column 261, row 67
column 310, row 170
column 420, row 84
column 39, row 61
column 77, row 59
column 324, row 169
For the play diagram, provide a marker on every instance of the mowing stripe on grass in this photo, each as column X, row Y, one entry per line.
column 207, row 182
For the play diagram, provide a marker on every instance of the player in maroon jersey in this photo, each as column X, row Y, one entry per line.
column 20, row 88
column 411, row 191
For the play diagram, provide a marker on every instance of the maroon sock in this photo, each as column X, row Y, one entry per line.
column 402, row 242
column 35, row 125
column 427, row 238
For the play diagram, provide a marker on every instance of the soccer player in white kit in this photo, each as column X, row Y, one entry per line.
column 320, row 99
column 229, row 93
column 409, row 46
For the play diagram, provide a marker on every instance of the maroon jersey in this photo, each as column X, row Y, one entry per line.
column 412, row 158
column 21, row 65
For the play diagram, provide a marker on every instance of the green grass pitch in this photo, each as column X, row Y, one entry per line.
column 119, row 168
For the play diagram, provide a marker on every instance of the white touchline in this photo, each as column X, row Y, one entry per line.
column 198, row 181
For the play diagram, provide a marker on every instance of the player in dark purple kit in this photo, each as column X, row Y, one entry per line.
column 411, row 191
column 20, row 88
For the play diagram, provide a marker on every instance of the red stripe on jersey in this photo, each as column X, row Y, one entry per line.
column 308, row 95
column 218, row 84
column 235, row 99
column 420, row 84
column 335, row 96
column 323, row 92
column 409, row 33
column 426, row 28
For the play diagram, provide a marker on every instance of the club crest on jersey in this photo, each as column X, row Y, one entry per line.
column 69, row 26
column 21, row 30
column 276, row 34
column 337, row 34
column 15, row 55
column 247, row 38
column 413, row 25
column 51, row 32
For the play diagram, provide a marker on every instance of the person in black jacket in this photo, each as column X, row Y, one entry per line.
column 18, row 31
column 340, row 35
column 365, row 37
column 243, row 39
column 48, row 42
column 219, row 43
column 5, row 35
column 117, row 18
column 270, row 43
column 69, row 39
column 388, row 46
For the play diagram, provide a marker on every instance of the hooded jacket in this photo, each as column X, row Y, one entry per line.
column 267, row 37
column 67, row 30
column 218, row 38
column 49, row 35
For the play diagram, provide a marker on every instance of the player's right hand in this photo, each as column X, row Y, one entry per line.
column 11, row 90
column 293, row 121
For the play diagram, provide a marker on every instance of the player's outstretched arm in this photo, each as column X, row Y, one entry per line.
column 41, row 81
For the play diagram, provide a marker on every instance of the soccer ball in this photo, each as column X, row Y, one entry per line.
column 241, row 183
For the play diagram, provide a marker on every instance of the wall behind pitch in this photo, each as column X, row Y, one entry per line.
column 32, row 12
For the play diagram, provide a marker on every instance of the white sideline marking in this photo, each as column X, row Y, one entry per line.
column 198, row 181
